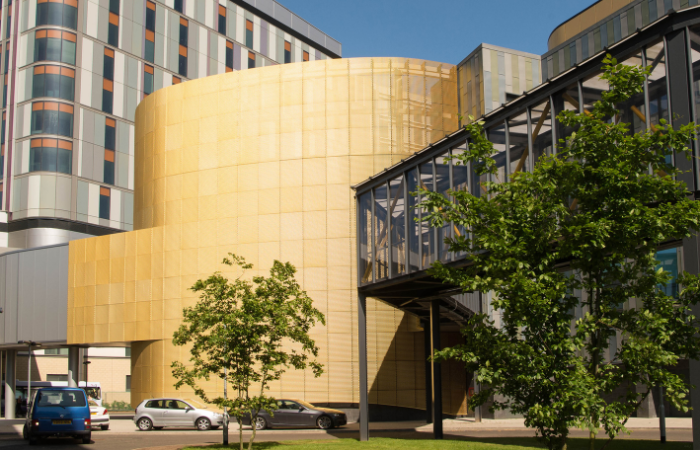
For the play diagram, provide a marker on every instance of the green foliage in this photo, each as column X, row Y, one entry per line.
column 580, row 231
column 117, row 406
column 249, row 333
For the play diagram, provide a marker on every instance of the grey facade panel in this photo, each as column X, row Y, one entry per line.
column 283, row 15
column 10, row 308
column 86, row 171
column 266, row 6
column 83, row 192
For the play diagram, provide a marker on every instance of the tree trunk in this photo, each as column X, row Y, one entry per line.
column 240, row 431
column 591, row 441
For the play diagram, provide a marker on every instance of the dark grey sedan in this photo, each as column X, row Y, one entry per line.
column 297, row 413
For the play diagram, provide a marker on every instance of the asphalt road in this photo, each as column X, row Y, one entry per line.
column 174, row 438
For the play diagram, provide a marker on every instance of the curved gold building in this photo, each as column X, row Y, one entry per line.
column 260, row 163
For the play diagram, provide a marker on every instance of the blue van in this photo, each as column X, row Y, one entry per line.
column 60, row 412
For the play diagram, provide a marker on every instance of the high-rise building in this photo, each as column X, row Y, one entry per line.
column 75, row 70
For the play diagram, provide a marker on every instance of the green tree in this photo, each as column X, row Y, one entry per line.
column 580, row 231
column 248, row 333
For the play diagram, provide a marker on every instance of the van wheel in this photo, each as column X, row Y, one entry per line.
column 104, row 427
column 24, row 433
column 203, row 424
column 145, row 424
column 33, row 440
column 86, row 439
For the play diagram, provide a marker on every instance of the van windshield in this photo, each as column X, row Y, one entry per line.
column 60, row 398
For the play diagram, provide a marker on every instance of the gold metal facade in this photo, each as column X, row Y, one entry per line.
column 260, row 163
column 585, row 19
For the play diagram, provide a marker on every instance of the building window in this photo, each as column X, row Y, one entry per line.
column 113, row 28
column 8, row 24
column 229, row 56
column 222, row 19
column 176, row 80
column 53, row 81
column 4, row 93
column 7, row 59
column 63, row 13
column 128, row 383
column 110, row 147
column 52, row 118
column 178, row 6
column 127, row 353
column 104, row 203
column 182, row 61
column 1, row 184
column 147, row 79
column 249, row 33
column 56, row 351
column 110, row 134
column 51, row 155
column 287, row 52
column 150, row 31
column 306, row 56
column 54, row 45
column 109, row 167
column 184, row 32
column 108, row 64
column 56, row 377
column 251, row 60
column 107, row 95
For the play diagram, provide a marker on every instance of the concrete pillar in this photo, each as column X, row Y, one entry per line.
column 364, row 397
column 10, row 379
column 437, row 370
column 73, row 366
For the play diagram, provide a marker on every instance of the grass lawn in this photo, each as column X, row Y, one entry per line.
column 465, row 444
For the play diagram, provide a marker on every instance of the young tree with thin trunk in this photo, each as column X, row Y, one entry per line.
column 578, row 233
column 247, row 333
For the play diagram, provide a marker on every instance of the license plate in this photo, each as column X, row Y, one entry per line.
column 93, row 413
column 61, row 422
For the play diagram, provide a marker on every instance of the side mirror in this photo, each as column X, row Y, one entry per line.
column 188, row 409
column 301, row 408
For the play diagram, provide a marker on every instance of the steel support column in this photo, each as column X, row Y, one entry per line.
column 10, row 378
column 73, row 366
column 428, row 374
column 437, row 371
column 362, row 343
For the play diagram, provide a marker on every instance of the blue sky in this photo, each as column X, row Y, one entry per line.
column 438, row 30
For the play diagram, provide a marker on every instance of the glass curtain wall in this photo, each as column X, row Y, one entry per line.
column 460, row 182
column 414, row 226
column 497, row 136
column 365, row 237
column 633, row 111
column 566, row 100
column 426, row 232
column 518, row 142
column 442, row 185
column 397, row 212
column 381, row 236
column 541, row 120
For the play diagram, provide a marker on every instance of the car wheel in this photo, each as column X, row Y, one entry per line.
column 145, row 424
column 260, row 423
column 203, row 424
column 104, row 427
column 87, row 439
column 324, row 422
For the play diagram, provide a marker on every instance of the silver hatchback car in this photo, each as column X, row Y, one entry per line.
column 156, row 413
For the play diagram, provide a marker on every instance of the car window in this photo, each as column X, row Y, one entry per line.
column 155, row 404
column 92, row 403
column 177, row 404
column 60, row 398
column 182, row 405
column 293, row 405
